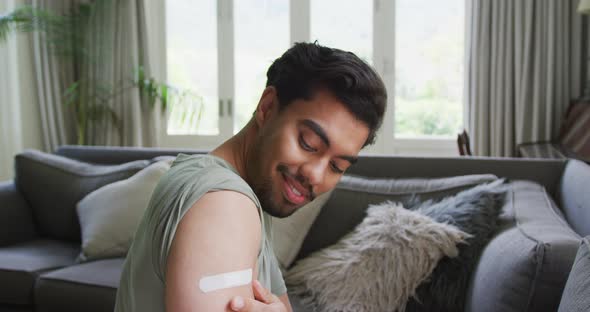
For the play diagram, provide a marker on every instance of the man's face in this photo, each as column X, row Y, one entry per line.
column 301, row 151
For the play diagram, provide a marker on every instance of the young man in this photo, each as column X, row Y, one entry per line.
column 208, row 219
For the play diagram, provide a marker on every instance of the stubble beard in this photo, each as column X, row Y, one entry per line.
column 262, row 185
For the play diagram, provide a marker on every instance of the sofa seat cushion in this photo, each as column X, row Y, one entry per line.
column 525, row 266
column 21, row 264
column 90, row 286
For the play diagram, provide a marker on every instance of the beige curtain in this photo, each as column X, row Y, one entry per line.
column 524, row 65
column 126, row 35
column 52, row 77
column 122, row 35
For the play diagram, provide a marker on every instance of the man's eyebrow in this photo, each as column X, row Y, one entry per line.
column 322, row 134
column 318, row 130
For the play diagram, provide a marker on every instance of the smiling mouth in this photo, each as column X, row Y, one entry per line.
column 292, row 193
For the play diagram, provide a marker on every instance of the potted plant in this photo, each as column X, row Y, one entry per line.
column 89, row 98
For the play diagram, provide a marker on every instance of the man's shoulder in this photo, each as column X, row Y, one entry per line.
column 199, row 161
column 193, row 176
column 202, row 171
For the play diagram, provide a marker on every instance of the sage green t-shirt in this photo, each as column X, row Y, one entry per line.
column 142, row 286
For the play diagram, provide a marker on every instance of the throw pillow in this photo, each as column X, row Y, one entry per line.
column 576, row 295
column 288, row 233
column 53, row 184
column 356, row 193
column 378, row 265
column 109, row 216
column 474, row 211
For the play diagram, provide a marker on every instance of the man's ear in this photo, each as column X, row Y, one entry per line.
column 267, row 106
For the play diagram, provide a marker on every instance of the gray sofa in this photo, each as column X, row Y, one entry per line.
column 523, row 268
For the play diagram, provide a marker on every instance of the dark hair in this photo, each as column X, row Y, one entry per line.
column 308, row 67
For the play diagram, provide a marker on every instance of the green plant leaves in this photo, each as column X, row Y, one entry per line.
column 92, row 100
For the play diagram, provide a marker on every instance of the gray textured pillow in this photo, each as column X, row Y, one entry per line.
column 576, row 295
column 356, row 193
column 474, row 211
column 378, row 266
column 54, row 184
column 109, row 216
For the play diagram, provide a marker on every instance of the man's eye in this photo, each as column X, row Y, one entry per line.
column 335, row 168
column 305, row 146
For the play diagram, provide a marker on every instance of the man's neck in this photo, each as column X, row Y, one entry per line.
column 236, row 149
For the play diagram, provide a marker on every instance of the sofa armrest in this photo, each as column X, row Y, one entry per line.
column 16, row 219
column 524, row 268
column 574, row 198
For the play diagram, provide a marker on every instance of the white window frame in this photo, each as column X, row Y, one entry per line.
column 225, row 88
column 300, row 31
column 384, row 44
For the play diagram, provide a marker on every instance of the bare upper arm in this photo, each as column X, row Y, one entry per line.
column 219, row 234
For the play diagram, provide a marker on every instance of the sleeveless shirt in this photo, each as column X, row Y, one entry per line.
column 142, row 286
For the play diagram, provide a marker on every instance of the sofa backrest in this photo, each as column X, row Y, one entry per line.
column 53, row 185
column 118, row 155
column 546, row 172
column 348, row 203
column 574, row 196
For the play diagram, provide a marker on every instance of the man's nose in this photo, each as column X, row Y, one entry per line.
column 315, row 171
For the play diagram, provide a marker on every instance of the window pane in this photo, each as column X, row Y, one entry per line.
column 429, row 67
column 261, row 30
column 191, row 30
column 344, row 24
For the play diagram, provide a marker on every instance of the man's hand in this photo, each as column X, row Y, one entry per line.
column 264, row 301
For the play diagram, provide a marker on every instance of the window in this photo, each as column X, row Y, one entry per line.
column 221, row 50
column 349, row 27
column 429, row 68
column 261, row 35
column 192, row 58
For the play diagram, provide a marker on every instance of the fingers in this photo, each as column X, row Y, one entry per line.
column 239, row 304
column 263, row 300
column 260, row 293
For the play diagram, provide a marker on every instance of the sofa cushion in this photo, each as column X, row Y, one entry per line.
column 21, row 264
column 356, row 193
column 475, row 211
column 526, row 265
column 16, row 217
column 576, row 295
column 288, row 233
column 53, row 185
column 377, row 266
column 109, row 216
column 574, row 195
column 88, row 287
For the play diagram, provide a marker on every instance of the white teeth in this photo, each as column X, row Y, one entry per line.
column 295, row 191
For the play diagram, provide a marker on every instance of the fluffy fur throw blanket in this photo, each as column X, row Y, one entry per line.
column 378, row 266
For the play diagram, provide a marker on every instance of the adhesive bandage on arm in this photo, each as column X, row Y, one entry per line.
column 225, row 280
